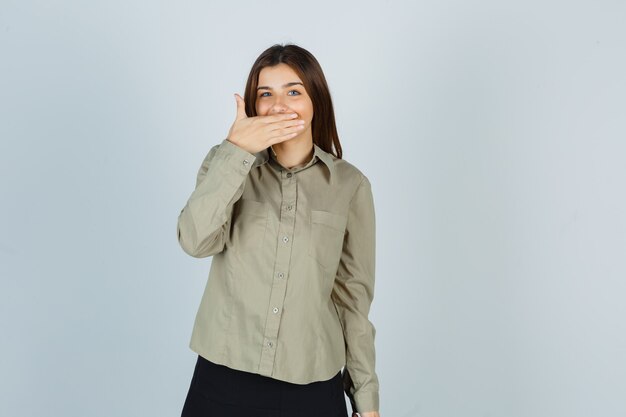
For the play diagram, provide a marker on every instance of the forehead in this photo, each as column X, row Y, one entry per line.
column 277, row 75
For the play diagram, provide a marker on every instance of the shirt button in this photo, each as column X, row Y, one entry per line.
column 285, row 239
column 289, row 207
column 245, row 162
column 275, row 310
column 270, row 344
column 280, row 275
column 289, row 175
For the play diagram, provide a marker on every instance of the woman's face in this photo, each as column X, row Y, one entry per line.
column 277, row 93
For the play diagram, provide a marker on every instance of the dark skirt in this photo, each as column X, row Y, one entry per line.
column 219, row 391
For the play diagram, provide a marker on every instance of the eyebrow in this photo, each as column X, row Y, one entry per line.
column 264, row 87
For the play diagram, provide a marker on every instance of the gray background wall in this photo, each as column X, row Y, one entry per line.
column 493, row 134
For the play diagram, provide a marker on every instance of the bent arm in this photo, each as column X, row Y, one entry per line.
column 204, row 223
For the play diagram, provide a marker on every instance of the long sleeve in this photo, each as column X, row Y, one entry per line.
column 204, row 222
column 353, row 293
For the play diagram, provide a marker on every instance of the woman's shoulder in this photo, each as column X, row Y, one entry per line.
column 347, row 172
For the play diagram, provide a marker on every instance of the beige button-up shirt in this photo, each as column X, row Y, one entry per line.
column 292, row 275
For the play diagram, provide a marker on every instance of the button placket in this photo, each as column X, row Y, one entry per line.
column 283, row 255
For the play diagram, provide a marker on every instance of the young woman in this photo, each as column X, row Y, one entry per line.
column 282, row 328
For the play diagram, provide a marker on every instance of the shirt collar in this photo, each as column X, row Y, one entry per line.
column 263, row 157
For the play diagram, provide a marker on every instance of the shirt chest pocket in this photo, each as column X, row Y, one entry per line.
column 327, row 233
column 249, row 225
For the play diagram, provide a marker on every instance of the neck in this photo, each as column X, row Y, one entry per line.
column 293, row 153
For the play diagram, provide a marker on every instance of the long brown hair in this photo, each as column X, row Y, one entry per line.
column 323, row 127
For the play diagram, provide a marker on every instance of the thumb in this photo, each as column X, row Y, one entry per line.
column 241, row 108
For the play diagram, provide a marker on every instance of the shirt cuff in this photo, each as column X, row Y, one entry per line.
column 228, row 150
column 366, row 401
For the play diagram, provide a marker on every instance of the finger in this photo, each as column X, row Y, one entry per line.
column 285, row 123
column 271, row 132
column 241, row 107
column 277, row 117
column 281, row 137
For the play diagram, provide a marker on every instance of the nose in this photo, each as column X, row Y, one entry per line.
column 278, row 107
